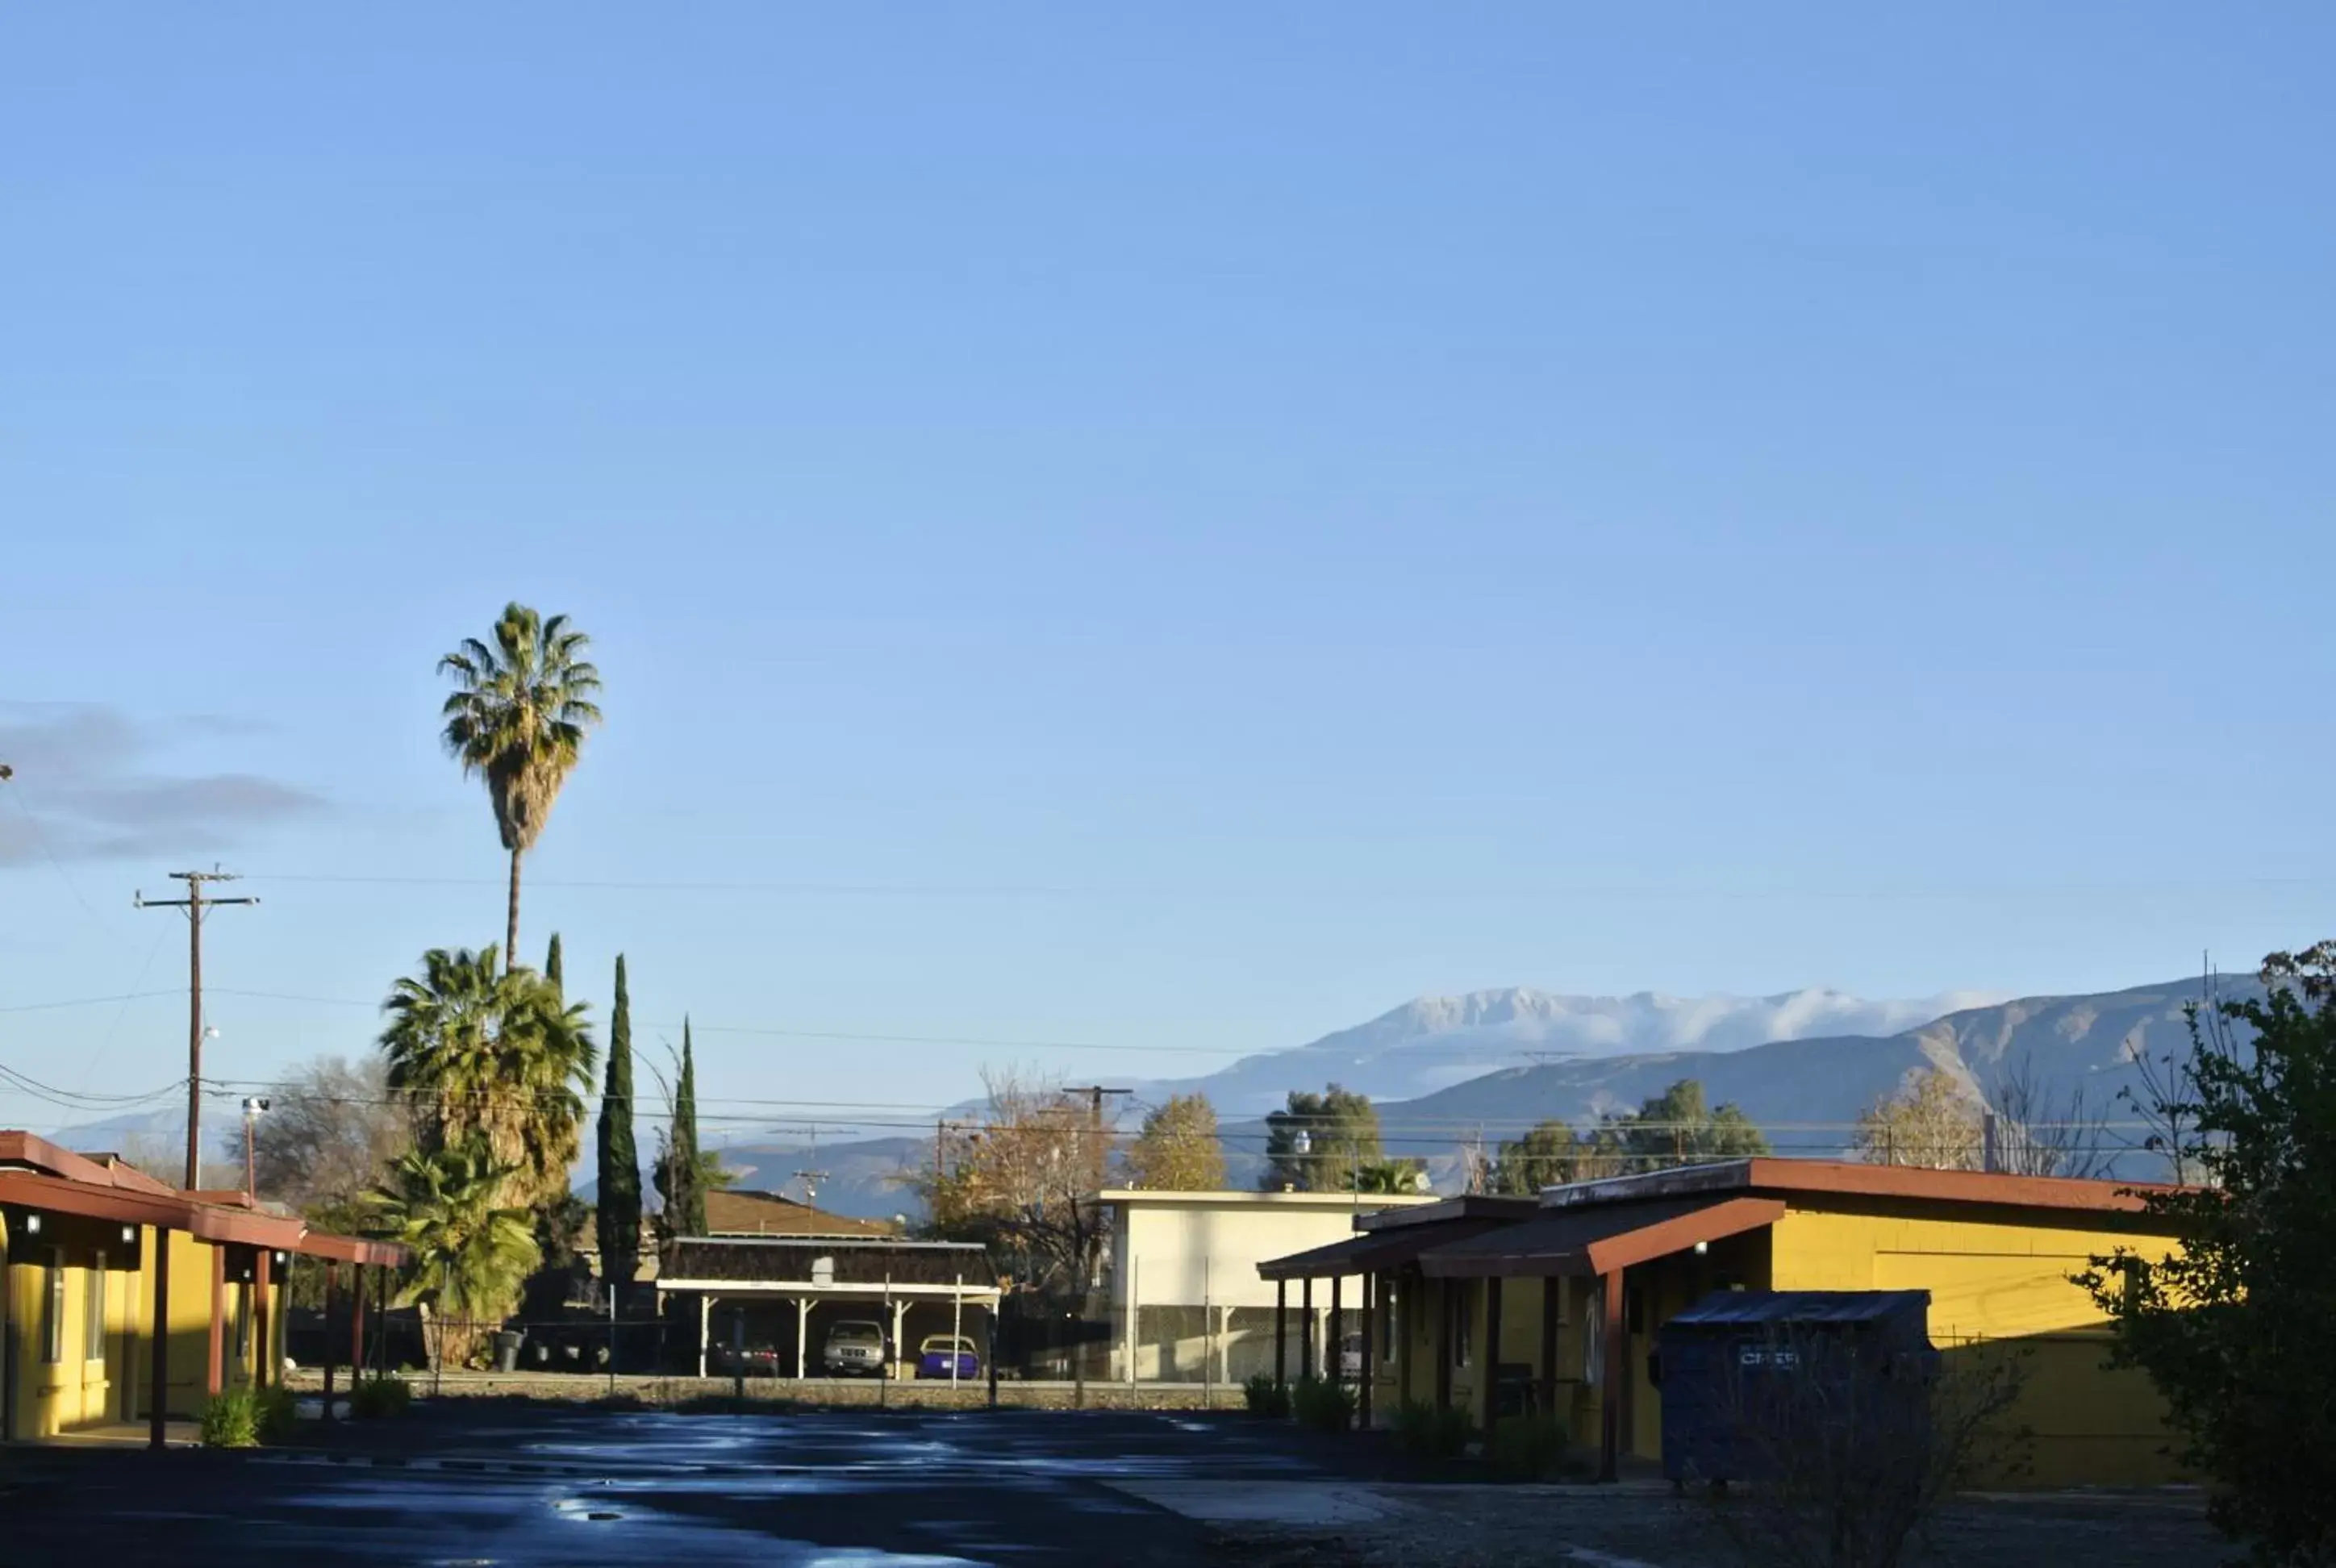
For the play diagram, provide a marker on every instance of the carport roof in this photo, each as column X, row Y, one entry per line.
column 1372, row 1252
column 1593, row 1241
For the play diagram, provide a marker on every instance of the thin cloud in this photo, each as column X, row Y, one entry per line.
column 94, row 787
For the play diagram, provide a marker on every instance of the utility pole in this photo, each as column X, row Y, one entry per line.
column 1086, row 1239
column 195, row 904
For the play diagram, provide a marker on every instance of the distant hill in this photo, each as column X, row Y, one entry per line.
column 1433, row 1042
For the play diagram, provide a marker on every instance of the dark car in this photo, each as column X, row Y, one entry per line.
column 948, row 1355
column 750, row 1360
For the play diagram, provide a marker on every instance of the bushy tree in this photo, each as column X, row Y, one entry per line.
column 1178, row 1150
column 471, row 1250
column 2235, row 1327
column 1315, row 1143
column 495, row 1053
column 332, row 1129
column 1022, row 1180
column 1934, row 1122
column 1550, row 1155
column 1676, row 1127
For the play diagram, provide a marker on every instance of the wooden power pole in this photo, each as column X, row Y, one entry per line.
column 195, row 905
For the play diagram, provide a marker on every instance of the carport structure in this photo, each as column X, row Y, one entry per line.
column 71, row 1224
column 934, row 1281
column 1383, row 1256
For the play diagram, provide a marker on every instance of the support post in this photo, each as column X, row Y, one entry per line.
column 957, row 1328
column 332, row 1280
column 1334, row 1336
column 1492, row 1389
column 802, row 1332
column 216, row 1377
column 1371, row 1372
column 158, row 1415
column 899, row 1310
column 1281, row 1333
column 738, row 1351
column 705, row 1319
column 357, row 1326
column 1445, row 1342
column 380, row 1333
column 1549, row 1286
column 262, row 1320
column 1308, row 1366
column 1401, row 1326
column 1617, row 1365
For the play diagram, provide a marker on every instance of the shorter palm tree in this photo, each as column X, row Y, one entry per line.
column 469, row 1254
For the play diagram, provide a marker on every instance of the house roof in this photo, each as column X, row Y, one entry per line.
column 1437, row 1212
column 35, row 1173
column 1369, row 1203
column 745, row 1211
column 869, row 1262
column 1587, row 1242
column 1374, row 1252
column 1838, row 1178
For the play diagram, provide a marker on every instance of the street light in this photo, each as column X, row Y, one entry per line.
column 253, row 1107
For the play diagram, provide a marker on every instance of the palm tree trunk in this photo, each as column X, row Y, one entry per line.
column 511, row 925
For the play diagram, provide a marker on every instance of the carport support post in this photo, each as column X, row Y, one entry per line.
column 216, row 1376
column 1618, row 1362
column 1491, row 1390
column 158, row 1415
column 357, row 1326
column 1549, row 1286
column 705, row 1315
column 1307, row 1365
column 332, row 1279
column 738, row 1350
column 1446, row 1290
column 1335, row 1338
column 802, row 1332
column 262, row 1346
column 1281, row 1333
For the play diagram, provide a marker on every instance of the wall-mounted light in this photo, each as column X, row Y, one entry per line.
column 281, row 1259
column 129, row 1235
column 1701, row 1248
column 31, row 1224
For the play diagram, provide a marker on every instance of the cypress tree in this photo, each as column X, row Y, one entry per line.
column 552, row 963
column 619, row 1218
column 688, row 1198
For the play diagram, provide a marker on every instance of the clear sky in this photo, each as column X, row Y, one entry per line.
column 1170, row 531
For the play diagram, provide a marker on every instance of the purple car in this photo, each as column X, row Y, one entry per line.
column 942, row 1355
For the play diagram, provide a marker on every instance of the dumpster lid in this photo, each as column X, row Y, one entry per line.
column 1751, row 1307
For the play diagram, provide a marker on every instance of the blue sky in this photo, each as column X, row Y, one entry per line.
column 1171, row 532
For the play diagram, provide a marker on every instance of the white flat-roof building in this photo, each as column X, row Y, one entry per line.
column 1187, row 1304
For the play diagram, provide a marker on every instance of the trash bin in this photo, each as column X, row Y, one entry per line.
column 507, row 1344
column 1752, row 1380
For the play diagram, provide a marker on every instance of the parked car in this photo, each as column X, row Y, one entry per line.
column 855, row 1348
column 751, row 1361
column 948, row 1355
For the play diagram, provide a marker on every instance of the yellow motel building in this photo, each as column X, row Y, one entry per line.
column 1503, row 1306
column 125, row 1303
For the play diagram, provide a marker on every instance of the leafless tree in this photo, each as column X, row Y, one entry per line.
column 331, row 1129
column 1024, row 1176
column 2041, row 1133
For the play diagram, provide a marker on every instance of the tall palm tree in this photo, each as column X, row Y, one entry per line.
column 518, row 717
column 495, row 1053
column 470, row 1252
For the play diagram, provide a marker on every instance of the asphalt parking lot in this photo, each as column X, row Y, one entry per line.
column 483, row 1483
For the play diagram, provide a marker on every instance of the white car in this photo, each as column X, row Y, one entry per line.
column 855, row 1348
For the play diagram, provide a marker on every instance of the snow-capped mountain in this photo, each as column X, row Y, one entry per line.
column 1433, row 1042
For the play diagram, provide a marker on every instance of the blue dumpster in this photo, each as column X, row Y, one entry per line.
column 1751, row 1378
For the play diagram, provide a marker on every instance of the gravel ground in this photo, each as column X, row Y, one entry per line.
column 1503, row 1527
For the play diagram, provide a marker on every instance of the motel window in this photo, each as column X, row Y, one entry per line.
column 1463, row 1327
column 93, row 1316
column 1389, row 1331
column 52, row 1308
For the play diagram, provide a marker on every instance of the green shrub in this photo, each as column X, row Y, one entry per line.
column 1528, row 1448
column 1426, row 1430
column 378, row 1398
column 232, row 1420
column 1321, row 1406
column 275, row 1414
column 1265, row 1396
